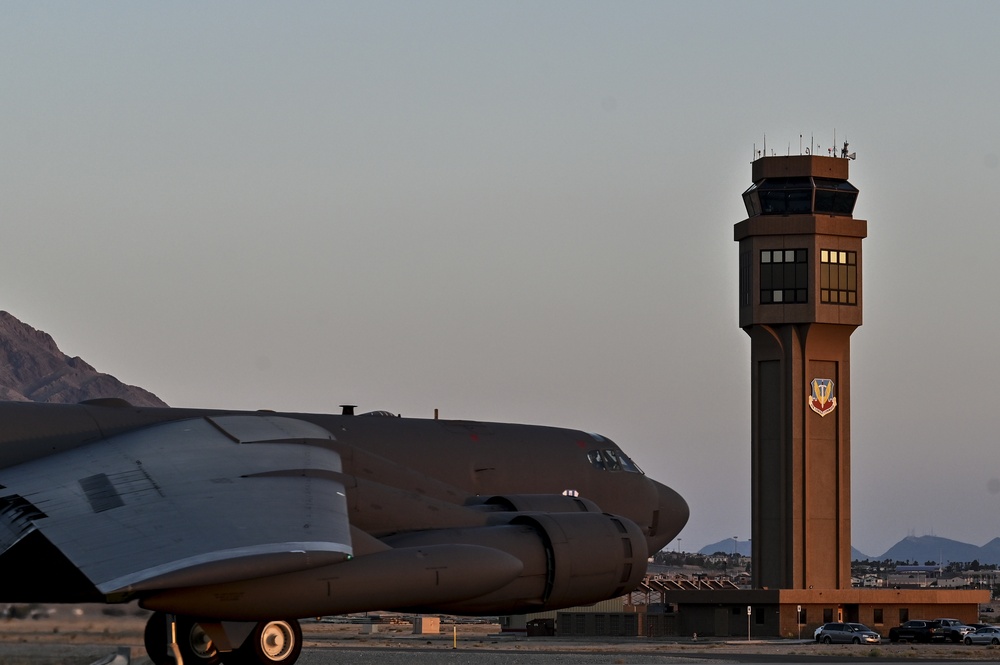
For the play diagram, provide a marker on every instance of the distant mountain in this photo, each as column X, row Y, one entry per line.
column 726, row 547
column 743, row 549
column 942, row 550
column 911, row 548
column 33, row 369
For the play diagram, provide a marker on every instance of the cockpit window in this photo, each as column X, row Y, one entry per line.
column 628, row 464
column 612, row 460
column 597, row 459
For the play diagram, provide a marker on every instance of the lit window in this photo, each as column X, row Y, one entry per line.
column 838, row 277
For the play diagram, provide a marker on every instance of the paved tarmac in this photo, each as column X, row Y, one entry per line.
column 544, row 652
column 71, row 636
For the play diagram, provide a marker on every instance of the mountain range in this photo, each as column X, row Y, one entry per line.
column 33, row 369
column 919, row 549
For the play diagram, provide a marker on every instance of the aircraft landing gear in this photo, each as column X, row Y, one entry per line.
column 275, row 642
column 270, row 643
column 185, row 638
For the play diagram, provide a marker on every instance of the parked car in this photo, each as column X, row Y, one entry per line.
column 847, row 633
column 916, row 630
column 950, row 629
column 984, row 635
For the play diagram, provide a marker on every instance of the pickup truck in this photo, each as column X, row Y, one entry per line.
column 950, row 629
column 917, row 630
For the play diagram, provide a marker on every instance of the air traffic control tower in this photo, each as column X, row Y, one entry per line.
column 800, row 299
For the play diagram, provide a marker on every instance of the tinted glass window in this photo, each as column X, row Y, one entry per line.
column 611, row 461
column 597, row 459
column 628, row 464
column 784, row 276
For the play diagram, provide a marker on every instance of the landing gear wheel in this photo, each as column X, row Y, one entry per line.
column 155, row 639
column 271, row 642
column 195, row 646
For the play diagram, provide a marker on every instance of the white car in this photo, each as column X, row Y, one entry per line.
column 847, row 633
column 984, row 635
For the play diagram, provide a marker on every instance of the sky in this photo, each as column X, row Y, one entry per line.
column 513, row 211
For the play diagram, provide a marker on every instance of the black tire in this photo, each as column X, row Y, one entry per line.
column 194, row 645
column 956, row 638
column 276, row 642
column 155, row 639
column 968, row 641
column 827, row 639
column 856, row 640
column 995, row 641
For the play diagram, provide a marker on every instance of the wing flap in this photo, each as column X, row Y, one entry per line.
column 191, row 502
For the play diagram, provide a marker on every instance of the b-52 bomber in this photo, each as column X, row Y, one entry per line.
column 232, row 525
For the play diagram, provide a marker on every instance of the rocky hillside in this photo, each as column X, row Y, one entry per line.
column 33, row 369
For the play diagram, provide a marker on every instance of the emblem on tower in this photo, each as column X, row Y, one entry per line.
column 821, row 400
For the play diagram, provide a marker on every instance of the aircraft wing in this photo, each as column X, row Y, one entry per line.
column 187, row 502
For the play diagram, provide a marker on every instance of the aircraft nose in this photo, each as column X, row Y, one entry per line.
column 670, row 516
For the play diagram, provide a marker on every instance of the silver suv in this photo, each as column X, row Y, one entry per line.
column 950, row 629
column 848, row 633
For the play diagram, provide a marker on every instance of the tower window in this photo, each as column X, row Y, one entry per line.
column 838, row 277
column 800, row 195
column 744, row 279
column 784, row 276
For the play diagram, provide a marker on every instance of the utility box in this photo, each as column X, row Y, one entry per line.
column 426, row 626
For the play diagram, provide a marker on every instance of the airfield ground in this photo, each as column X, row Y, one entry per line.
column 84, row 635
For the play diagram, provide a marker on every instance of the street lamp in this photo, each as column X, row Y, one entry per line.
column 748, row 623
column 798, row 619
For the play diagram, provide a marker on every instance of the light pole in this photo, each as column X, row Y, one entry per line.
column 748, row 623
column 798, row 619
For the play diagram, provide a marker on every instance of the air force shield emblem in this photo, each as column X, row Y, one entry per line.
column 822, row 400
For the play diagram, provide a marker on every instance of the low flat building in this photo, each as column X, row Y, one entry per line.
column 793, row 613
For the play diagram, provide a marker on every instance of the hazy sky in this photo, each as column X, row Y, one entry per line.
column 513, row 211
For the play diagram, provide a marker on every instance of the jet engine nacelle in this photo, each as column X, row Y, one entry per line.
column 568, row 558
column 534, row 503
